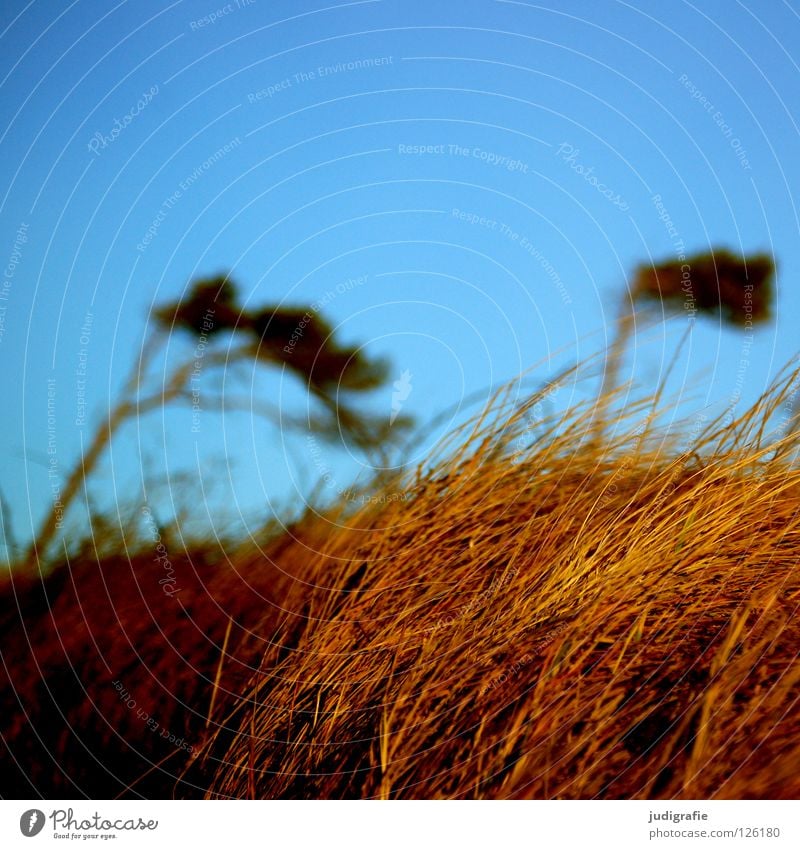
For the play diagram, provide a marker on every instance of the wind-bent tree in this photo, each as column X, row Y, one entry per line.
column 718, row 284
column 737, row 290
column 298, row 339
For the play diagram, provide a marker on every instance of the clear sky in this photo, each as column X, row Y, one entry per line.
column 482, row 172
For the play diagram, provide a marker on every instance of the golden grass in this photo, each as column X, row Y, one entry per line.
column 556, row 624
column 521, row 619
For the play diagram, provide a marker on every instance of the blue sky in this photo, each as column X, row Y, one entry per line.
column 482, row 172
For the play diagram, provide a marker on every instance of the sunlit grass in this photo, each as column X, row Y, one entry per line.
column 570, row 622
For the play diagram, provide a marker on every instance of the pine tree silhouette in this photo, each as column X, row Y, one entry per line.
column 305, row 343
column 209, row 308
column 299, row 339
column 739, row 289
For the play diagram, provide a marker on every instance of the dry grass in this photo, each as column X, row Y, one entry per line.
column 542, row 620
column 557, row 624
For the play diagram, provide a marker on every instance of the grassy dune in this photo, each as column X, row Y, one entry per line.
column 593, row 613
